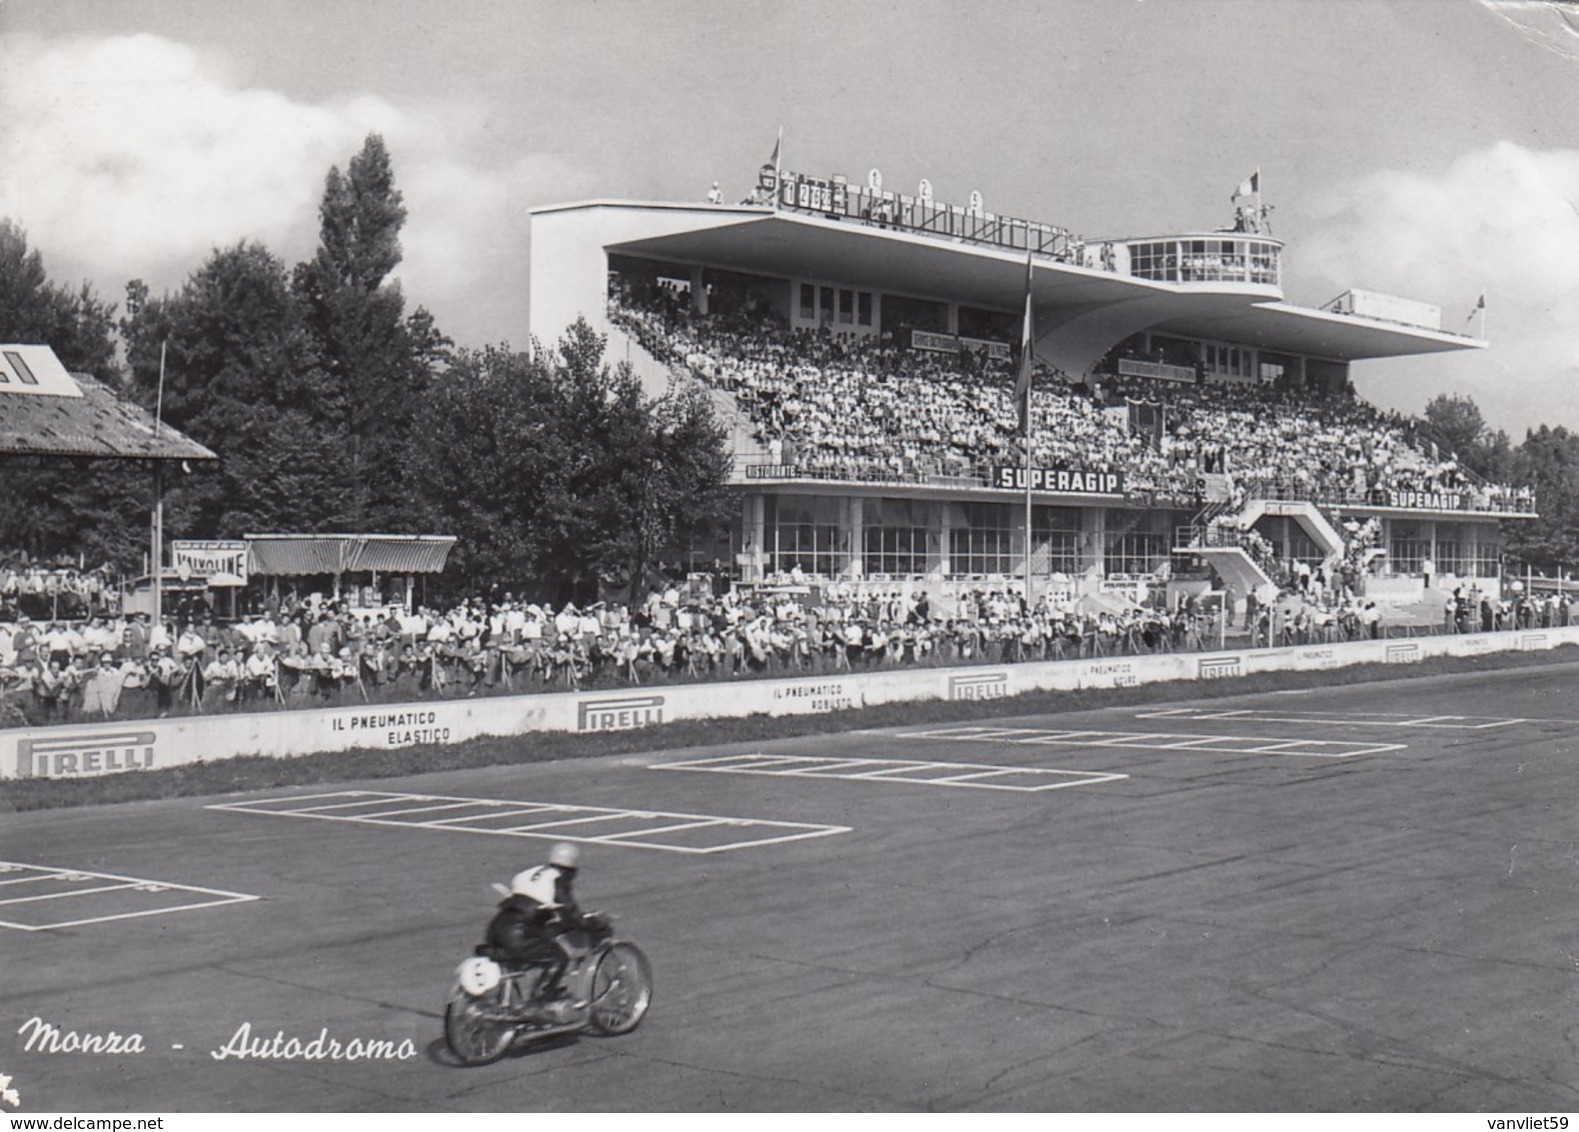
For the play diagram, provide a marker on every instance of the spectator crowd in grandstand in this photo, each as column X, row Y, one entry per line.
column 841, row 405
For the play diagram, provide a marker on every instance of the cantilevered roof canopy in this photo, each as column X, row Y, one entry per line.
column 44, row 411
column 784, row 244
column 304, row 555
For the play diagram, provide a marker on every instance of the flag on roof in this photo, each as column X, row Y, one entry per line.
column 1480, row 305
column 1250, row 186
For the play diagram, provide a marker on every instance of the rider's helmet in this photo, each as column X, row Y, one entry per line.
column 564, row 856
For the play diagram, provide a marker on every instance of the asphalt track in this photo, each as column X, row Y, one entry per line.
column 1363, row 898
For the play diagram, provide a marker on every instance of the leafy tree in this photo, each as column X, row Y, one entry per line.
column 1457, row 426
column 557, row 475
column 680, row 501
column 1548, row 461
column 77, row 325
column 377, row 363
column 241, row 378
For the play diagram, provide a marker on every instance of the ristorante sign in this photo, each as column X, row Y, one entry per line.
column 1061, row 481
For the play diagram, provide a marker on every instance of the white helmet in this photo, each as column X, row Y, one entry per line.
column 564, row 855
column 478, row 975
column 536, row 884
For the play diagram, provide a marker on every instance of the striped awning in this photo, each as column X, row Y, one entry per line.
column 300, row 555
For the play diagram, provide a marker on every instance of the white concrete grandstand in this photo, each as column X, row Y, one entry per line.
column 1190, row 424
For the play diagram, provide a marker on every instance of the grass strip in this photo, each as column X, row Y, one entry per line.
column 253, row 773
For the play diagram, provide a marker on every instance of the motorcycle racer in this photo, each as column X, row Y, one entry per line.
column 537, row 908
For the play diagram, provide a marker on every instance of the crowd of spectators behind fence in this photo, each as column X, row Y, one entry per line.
column 55, row 589
column 867, row 407
column 318, row 653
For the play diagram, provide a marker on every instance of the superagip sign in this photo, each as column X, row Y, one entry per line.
column 1061, row 481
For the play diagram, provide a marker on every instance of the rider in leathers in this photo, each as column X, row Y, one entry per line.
column 539, row 908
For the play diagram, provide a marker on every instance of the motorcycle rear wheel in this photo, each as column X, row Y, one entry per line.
column 472, row 1036
column 621, row 989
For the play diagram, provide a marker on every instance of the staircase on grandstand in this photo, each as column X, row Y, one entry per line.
column 1222, row 537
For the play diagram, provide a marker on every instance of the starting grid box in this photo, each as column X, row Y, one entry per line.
column 977, row 776
column 35, row 898
column 551, row 821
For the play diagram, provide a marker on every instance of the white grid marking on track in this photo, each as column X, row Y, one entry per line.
column 889, row 770
column 1161, row 741
column 1349, row 719
column 554, row 830
column 123, row 884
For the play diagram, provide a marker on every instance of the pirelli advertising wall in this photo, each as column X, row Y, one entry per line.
column 116, row 748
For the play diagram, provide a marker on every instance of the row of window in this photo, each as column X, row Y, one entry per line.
column 1409, row 555
column 901, row 537
column 828, row 305
column 1199, row 261
column 898, row 538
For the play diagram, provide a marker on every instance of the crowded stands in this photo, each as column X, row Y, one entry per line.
column 848, row 406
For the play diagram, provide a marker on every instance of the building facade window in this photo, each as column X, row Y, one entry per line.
column 1136, row 552
column 805, row 531
column 894, row 537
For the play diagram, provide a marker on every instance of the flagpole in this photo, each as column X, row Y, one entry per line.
column 1027, row 344
column 158, row 523
column 778, row 165
column 1029, row 530
column 1483, row 315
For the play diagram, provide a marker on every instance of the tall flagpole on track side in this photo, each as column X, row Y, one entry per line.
column 1029, row 530
column 157, row 561
column 1027, row 341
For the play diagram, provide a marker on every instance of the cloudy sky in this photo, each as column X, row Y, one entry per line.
column 1427, row 148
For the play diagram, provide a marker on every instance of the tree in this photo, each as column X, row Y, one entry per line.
column 376, row 363
column 680, row 501
column 557, row 475
column 77, row 325
column 1455, row 424
column 1548, row 461
column 241, row 378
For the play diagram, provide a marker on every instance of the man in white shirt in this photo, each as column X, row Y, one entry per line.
column 258, row 671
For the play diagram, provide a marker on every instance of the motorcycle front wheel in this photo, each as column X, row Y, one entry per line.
column 621, row 989
column 472, row 1035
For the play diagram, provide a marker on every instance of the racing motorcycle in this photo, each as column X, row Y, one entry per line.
column 493, row 1004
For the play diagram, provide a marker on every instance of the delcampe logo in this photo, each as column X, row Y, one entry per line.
column 70, row 755
column 618, row 713
column 1406, row 653
column 8, row 1094
column 979, row 686
column 1218, row 667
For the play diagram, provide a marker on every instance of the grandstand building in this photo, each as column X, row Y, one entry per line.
column 861, row 345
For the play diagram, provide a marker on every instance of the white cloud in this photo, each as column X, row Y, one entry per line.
column 134, row 156
column 1504, row 219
